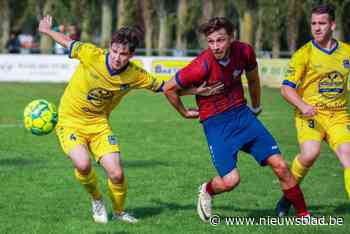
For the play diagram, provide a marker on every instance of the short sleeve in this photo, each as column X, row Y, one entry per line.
column 148, row 81
column 193, row 74
column 295, row 70
column 250, row 56
column 82, row 51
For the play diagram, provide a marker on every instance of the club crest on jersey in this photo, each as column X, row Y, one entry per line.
column 124, row 86
column 346, row 63
column 112, row 140
column 236, row 73
column 73, row 137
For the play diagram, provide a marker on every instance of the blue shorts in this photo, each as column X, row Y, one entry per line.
column 234, row 130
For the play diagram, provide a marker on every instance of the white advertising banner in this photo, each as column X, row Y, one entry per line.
column 59, row 68
column 36, row 68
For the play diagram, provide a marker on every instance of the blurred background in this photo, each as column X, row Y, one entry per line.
column 275, row 28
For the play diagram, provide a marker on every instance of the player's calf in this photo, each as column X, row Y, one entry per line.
column 291, row 189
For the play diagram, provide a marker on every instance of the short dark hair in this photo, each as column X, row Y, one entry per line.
column 325, row 9
column 130, row 36
column 215, row 24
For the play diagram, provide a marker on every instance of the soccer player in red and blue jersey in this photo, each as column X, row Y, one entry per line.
column 229, row 124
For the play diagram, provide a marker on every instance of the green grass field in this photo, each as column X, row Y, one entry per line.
column 165, row 158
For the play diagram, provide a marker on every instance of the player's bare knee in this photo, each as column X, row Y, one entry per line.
column 343, row 150
column 116, row 176
column 84, row 168
column 307, row 158
column 281, row 168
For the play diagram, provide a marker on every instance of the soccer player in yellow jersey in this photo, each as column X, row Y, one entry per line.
column 100, row 81
column 316, row 85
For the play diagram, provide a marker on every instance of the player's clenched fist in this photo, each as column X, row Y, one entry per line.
column 191, row 113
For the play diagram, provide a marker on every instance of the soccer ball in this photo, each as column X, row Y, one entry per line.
column 40, row 117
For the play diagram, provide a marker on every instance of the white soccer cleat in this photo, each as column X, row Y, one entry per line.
column 125, row 217
column 204, row 203
column 99, row 213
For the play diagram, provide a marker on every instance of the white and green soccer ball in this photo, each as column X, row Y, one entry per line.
column 40, row 117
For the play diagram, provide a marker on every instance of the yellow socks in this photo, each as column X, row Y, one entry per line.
column 90, row 183
column 298, row 170
column 347, row 180
column 117, row 193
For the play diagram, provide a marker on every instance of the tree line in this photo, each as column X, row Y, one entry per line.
column 268, row 25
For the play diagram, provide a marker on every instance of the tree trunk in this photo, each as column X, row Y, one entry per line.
column 259, row 33
column 208, row 12
column 46, row 42
column 5, row 23
column 247, row 27
column 84, row 10
column 120, row 13
column 126, row 10
column 148, row 12
column 182, row 15
column 164, row 33
column 106, row 24
column 276, row 44
column 220, row 8
column 293, row 19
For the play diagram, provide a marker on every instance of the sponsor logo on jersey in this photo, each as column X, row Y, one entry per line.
column 346, row 63
column 332, row 85
column 99, row 96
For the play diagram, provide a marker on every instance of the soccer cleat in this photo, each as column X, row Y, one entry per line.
column 125, row 217
column 99, row 213
column 204, row 203
column 282, row 207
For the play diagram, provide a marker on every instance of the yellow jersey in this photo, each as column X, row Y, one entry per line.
column 94, row 89
column 320, row 76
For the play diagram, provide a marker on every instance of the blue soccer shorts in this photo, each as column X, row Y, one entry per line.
column 234, row 130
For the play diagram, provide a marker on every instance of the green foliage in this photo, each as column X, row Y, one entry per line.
column 165, row 159
column 87, row 14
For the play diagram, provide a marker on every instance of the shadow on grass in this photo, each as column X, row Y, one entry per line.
column 160, row 206
column 20, row 162
column 337, row 209
column 145, row 163
column 108, row 232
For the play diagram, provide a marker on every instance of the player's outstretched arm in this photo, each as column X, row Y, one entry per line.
column 171, row 91
column 45, row 26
